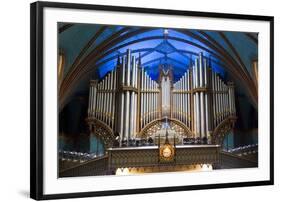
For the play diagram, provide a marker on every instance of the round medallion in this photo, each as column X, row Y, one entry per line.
column 167, row 152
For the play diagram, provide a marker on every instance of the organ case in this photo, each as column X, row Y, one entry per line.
column 127, row 99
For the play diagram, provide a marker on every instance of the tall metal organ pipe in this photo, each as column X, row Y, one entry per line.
column 200, row 99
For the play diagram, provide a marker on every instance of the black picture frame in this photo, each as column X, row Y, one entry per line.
column 37, row 99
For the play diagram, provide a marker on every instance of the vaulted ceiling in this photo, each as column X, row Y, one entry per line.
column 90, row 51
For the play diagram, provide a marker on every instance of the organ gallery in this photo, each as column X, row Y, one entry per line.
column 197, row 103
column 142, row 116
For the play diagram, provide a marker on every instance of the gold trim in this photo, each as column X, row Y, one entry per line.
column 164, row 148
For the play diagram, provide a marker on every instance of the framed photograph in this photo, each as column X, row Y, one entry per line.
column 134, row 100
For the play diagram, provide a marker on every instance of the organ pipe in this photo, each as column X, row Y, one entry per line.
column 200, row 99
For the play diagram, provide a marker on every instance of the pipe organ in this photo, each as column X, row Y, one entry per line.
column 208, row 100
column 127, row 99
column 149, row 99
column 127, row 102
column 182, row 99
column 165, row 80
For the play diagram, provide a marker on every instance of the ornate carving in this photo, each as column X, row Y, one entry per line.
column 222, row 129
column 102, row 130
column 142, row 157
column 143, row 132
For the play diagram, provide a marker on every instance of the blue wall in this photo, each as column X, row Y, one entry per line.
column 228, row 142
column 96, row 145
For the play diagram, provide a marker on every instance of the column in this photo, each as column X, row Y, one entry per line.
column 206, row 84
column 94, row 97
column 188, row 98
column 214, row 98
column 142, row 97
column 113, row 99
column 144, row 101
column 202, row 111
column 102, row 100
column 90, row 101
column 127, row 96
column 121, row 126
column 149, row 100
column 197, row 101
column 110, row 98
column 99, row 102
column 121, row 98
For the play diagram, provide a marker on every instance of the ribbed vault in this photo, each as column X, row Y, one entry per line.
column 92, row 50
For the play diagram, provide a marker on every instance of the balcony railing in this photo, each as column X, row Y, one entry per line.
column 148, row 156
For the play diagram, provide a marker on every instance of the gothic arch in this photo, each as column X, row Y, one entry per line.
column 222, row 129
column 154, row 122
column 102, row 131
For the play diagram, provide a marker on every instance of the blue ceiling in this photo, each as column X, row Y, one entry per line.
column 155, row 45
column 158, row 51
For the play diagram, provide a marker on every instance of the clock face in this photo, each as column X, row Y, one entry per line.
column 167, row 152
